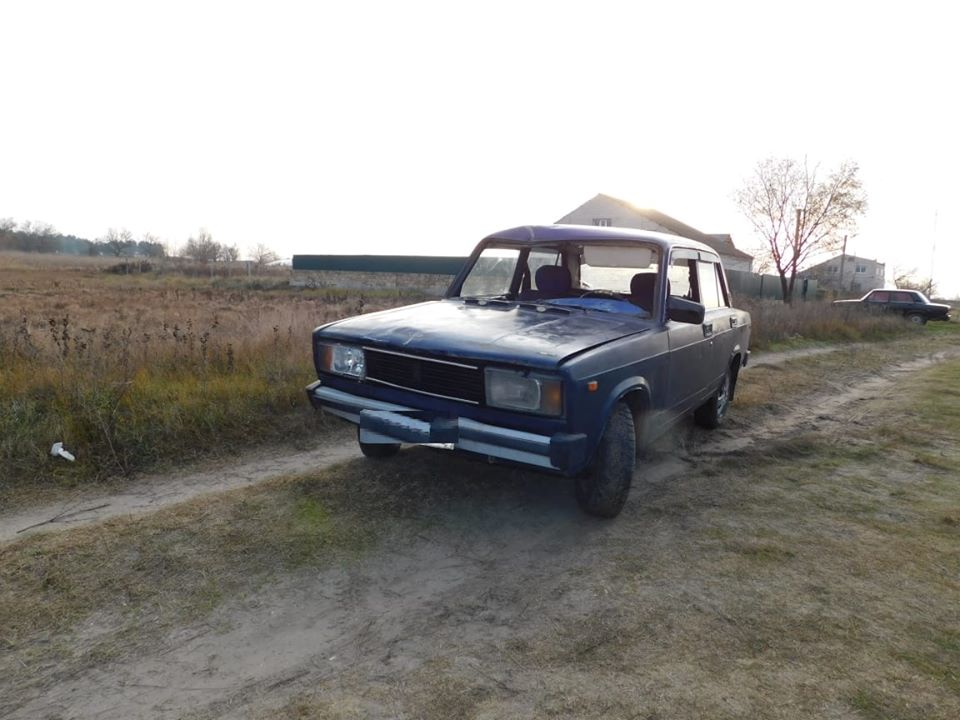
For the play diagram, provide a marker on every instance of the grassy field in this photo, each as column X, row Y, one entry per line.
column 812, row 574
column 138, row 370
column 132, row 371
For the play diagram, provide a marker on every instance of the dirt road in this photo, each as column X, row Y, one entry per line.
column 728, row 588
column 153, row 492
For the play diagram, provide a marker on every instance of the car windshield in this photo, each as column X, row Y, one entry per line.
column 592, row 276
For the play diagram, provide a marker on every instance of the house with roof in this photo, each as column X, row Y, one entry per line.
column 609, row 211
column 848, row 273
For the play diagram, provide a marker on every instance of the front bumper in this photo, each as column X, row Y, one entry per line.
column 382, row 422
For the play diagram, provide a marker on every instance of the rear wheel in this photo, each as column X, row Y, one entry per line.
column 602, row 490
column 377, row 451
column 712, row 412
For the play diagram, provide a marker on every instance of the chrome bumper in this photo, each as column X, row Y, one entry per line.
column 382, row 422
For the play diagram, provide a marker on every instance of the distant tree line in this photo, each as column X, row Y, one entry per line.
column 41, row 237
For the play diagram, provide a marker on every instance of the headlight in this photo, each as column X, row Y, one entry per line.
column 529, row 392
column 343, row 360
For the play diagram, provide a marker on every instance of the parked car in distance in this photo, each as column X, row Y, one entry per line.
column 566, row 348
column 912, row 304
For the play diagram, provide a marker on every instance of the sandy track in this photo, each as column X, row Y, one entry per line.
column 152, row 492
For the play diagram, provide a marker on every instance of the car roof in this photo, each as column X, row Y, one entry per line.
column 535, row 234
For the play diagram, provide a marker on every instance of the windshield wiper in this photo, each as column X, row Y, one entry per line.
column 501, row 301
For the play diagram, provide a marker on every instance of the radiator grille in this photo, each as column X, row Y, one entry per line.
column 433, row 377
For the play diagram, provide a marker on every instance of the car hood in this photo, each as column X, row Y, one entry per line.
column 496, row 331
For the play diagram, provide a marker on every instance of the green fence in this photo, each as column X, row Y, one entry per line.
column 412, row 264
column 768, row 286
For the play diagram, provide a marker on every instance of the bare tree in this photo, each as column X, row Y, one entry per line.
column 117, row 241
column 262, row 255
column 151, row 246
column 229, row 253
column 797, row 214
column 909, row 279
column 202, row 247
column 39, row 228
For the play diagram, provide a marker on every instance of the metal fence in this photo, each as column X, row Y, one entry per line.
column 768, row 286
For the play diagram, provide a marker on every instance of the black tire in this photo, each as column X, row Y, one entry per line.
column 377, row 451
column 917, row 319
column 711, row 414
column 602, row 489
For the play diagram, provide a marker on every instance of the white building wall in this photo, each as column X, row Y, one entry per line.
column 620, row 216
column 609, row 209
column 874, row 275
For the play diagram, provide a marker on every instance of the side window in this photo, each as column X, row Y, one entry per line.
column 710, row 291
column 879, row 297
column 681, row 278
column 902, row 297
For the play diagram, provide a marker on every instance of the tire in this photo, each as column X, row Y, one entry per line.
column 711, row 414
column 377, row 451
column 917, row 319
column 602, row 489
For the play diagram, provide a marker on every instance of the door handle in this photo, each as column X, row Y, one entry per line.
column 707, row 329
column 733, row 321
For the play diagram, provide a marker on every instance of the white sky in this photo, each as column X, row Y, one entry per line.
column 347, row 127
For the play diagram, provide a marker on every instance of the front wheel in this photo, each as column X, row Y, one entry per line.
column 712, row 412
column 917, row 319
column 377, row 451
column 602, row 490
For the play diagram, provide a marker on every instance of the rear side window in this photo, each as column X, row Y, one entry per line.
column 711, row 291
column 882, row 296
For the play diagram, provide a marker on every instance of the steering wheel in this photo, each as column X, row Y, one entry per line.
column 602, row 293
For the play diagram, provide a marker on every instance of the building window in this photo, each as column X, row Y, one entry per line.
column 861, row 269
column 603, row 222
column 832, row 269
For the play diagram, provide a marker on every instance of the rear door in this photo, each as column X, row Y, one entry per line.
column 689, row 369
column 699, row 354
column 720, row 320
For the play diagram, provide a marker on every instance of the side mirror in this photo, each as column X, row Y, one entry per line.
column 685, row 311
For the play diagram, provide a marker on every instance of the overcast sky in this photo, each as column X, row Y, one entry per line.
column 322, row 127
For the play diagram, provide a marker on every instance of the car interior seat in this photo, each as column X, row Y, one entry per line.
column 552, row 281
column 641, row 290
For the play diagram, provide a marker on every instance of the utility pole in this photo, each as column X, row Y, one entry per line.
column 933, row 248
column 843, row 260
column 796, row 252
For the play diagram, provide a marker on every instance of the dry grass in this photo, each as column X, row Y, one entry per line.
column 815, row 575
column 134, row 370
column 778, row 325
